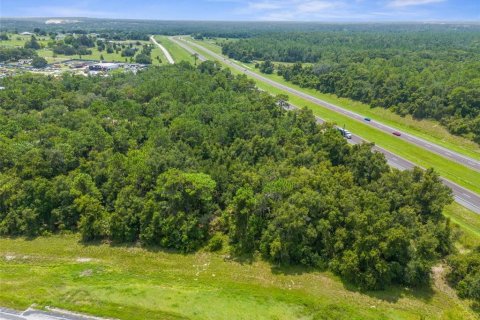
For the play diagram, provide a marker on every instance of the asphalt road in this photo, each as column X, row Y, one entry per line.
column 164, row 50
column 188, row 48
column 33, row 314
column 444, row 152
column 462, row 195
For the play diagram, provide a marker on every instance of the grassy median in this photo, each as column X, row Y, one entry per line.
column 426, row 129
column 178, row 53
column 463, row 176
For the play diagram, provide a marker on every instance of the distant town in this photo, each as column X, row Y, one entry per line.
column 76, row 66
column 78, row 52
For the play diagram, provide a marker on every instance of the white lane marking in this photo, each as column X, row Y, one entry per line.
column 466, row 195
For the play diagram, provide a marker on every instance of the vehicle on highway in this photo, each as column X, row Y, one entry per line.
column 396, row 133
column 367, row 119
column 345, row 133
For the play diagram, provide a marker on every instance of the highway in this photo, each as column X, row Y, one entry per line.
column 462, row 195
column 188, row 49
column 432, row 147
column 164, row 50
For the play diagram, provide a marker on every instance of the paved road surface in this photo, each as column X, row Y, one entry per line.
column 444, row 152
column 188, row 48
column 462, row 195
column 53, row 314
column 164, row 50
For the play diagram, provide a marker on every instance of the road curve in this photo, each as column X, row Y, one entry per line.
column 462, row 195
column 164, row 50
column 432, row 147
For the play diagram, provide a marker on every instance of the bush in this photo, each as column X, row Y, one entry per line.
column 143, row 59
column 465, row 274
column 39, row 62
column 216, row 242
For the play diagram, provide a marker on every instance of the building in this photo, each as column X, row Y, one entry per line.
column 26, row 33
column 104, row 66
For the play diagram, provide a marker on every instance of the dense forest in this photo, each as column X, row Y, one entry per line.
column 185, row 158
column 428, row 73
column 122, row 29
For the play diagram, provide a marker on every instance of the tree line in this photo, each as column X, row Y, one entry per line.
column 188, row 158
column 15, row 54
column 427, row 74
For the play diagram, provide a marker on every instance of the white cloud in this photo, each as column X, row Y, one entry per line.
column 290, row 10
column 267, row 5
column 335, row 10
column 316, row 6
column 409, row 3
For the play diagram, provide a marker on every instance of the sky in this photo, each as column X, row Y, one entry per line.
column 241, row 10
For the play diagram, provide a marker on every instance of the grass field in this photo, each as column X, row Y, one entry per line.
column 451, row 170
column 19, row 41
column 468, row 222
column 177, row 52
column 134, row 283
column 426, row 129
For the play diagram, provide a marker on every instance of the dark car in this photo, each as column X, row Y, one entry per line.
column 367, row 119
column 396, row 133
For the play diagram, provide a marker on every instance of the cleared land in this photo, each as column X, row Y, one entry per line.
column 134, row 283
column 426, row 129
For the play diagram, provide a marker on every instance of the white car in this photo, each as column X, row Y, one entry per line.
column 345, row 133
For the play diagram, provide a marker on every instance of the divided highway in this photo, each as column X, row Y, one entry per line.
column 463, row 196
column 444, row 152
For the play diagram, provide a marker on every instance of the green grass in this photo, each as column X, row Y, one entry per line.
column 451, row 170
column 156, row 52
column 19, row 41
column 468, row 222
column 134, row 283
column 111, row 57
column 426, row 129
column 178, row 53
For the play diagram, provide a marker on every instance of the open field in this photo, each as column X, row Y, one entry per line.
column 19, row 41
column 178, row 53
column 426, row 129
column 463, row 176
column 134, row 283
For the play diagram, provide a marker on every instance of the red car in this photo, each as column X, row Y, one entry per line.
column 396, row 133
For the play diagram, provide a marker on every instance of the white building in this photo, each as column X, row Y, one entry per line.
column 104, row 66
